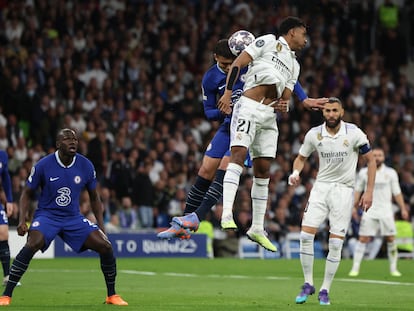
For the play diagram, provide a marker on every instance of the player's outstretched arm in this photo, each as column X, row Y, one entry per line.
column 366, row 199
column 298, row 164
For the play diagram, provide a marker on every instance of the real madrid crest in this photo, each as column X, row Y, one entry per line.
column 278, row 47
column 319, row 136
column 346, row 143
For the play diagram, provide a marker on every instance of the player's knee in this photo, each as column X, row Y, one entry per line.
column 335, row 249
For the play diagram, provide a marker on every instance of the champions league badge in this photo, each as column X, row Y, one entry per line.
column 278, row 47
column 319, row 136
column 259, row 43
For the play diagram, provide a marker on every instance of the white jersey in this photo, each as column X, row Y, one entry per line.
column 386, row 185
column 338, row 154
column 273, row 63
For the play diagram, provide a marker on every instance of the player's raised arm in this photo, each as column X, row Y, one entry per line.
column 224, row 103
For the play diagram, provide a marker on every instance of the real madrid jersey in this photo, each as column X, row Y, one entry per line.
column 273, row 63
column 61, row 185
column 386, row 185
column 338, row 154
column 213, row 86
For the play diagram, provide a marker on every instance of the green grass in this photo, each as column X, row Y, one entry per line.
column 209, row 284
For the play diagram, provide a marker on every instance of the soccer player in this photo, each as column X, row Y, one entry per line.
column 61, row 177
column 208, row 187
column 380, row 217
column 272, row 74
column 338, row 145
column 214, row 164
column 6, row 209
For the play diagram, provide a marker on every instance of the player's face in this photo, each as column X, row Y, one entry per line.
column 332, row 113
column 223, row 62
column 68, row 143
column 299, row 38
column 378, row 156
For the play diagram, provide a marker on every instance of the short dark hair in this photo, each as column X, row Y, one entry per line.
column 334, row 100
column 222, row 49
column 290, row 22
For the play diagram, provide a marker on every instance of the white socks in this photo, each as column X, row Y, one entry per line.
column 358, row 255
column 230, row 185
column 259, row 194
column 332, row 261
column 392, row 253
column 307, row 255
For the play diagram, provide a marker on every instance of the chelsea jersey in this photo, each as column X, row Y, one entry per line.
column 61, row 185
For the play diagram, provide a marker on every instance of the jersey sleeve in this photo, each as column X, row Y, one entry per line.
column 5, row 177
column 299, row 91
column 308, row 146
column 395, row 184
column 259, row 45
column 209, row 92
column 91, row 176
column 362, row 142
column 35, row 177
column 290, row 84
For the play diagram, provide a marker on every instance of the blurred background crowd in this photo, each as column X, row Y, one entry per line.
column 126, row 75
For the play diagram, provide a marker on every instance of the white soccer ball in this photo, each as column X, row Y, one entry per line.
column 239, row 40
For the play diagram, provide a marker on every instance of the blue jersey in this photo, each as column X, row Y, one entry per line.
column 213, row 86
column 5, row 176
column 61, row 185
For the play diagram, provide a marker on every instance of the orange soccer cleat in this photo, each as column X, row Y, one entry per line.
column 5, row 300
column 111, row 300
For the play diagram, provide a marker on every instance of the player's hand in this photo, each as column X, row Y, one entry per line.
column 22, row 228
column 280, row 105
column 366, row 201
column 405, row 214
column 315, row 103
column 224, row 103
column 293, row 179
column 9, row 209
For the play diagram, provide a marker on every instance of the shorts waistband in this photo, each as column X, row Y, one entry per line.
column 265, row 101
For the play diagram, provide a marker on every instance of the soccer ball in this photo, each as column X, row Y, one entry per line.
column 239, row 40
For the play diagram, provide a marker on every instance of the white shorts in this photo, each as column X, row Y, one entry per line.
column 330, row 201
column 384, row 226
column 253, row 125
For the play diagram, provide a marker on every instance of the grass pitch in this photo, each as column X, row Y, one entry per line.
column 209, row 284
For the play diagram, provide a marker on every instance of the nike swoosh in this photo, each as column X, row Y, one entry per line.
column 220, row 87
column 53, row 178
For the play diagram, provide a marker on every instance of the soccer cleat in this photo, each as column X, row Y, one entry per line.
column 227, row 223
column 5, row 300
column 353, row 273
column 175, row 231
column 307, row 290
column 115, row 300
column 396, row 273
column 6, row 279
column 190, row 221
column 260, row 237
column 324, row 298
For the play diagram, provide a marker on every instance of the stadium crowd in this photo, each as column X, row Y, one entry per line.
column 126, row 76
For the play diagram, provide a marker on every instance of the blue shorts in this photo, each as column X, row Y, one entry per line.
column 220, row 143
column 74, row 230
